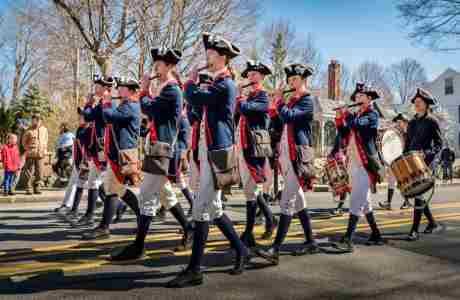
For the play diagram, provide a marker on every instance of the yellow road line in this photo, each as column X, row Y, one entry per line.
column 78, row 265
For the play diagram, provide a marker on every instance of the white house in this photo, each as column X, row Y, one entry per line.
column 446, row 88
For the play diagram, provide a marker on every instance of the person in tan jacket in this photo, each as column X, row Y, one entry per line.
column 35, row 142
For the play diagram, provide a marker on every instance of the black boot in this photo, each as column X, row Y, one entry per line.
column 188, row 195
column 136, row 249
column 418, row 211
column 269, row 219
column 131, row 200
column 179, row 214
column 121, row 209
column 406, row 204
column 387, row 205
column 309, row 247
column 346, row 243
column 192, row 274
column 226, row 227
column 272, row 254
column 376, row 238
column 88, row 218
column 102, row 231
column 248, row 237
column 432, row 225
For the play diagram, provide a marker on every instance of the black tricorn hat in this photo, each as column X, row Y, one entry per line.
column 362, row 88
column 298, row 70
column 425, row 96
column 104, row 81
column 220, row 44
column 255, row 66
column 127, row 82
column 169, row 56
column 400, row 117
column 204, row 78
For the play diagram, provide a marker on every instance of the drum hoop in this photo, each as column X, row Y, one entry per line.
column 380, row 136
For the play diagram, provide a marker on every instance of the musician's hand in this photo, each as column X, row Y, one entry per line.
column 145, row 82
column 193, row 76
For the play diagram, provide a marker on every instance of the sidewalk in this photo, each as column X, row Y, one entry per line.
column 56, row 195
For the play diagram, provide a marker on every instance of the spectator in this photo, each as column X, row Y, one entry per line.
column 35, row 142
column 10, row 157
column 448, row 159
column 64, row 152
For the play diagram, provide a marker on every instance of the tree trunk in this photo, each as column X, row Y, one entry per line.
column 17, row 78
column 76, row 77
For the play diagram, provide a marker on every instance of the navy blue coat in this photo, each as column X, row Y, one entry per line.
column 219, row 100
column 126, row 121
column 82, row 141
column 164, row 110
column 300, row 116
column 183, row 137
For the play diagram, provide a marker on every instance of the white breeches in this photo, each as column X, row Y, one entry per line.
column 360, row 192
column 208, row 204
column 194, row 176
column 292, row 197
column 155, row 191
column 267, row 186
column 71, row 188
column 250, row 188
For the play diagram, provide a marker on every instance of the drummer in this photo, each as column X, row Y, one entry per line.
column 359, row 134
column 401, row 122
column 423, row 134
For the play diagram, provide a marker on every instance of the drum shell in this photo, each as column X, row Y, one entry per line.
column 337, row 174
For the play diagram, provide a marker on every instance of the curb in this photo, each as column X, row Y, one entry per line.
column 57, row 196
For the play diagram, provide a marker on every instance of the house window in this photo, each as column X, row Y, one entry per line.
column 449, row 86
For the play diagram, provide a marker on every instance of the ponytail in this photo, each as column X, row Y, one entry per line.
column 229, row 67
column 176, row 76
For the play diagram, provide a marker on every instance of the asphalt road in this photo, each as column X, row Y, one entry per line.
column 41, row 257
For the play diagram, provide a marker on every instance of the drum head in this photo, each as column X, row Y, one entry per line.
column 391, row 146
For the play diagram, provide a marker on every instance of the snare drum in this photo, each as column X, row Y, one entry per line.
column 412, row 174
column 337, row 175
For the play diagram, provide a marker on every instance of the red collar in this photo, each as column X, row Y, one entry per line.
column 256, row 90
column 361, row 112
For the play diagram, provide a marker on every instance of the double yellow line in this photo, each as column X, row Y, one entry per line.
column 30, row 269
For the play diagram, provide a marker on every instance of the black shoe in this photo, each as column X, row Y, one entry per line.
column 97, row 234
column 84, row 221
column 10, row 193
column 346, row 245
column 307, row 248
column 385, row 205
column 186, row 278
column 29, row 193
column 431, row 227
column 272, row 255
column 413, row 236
column 267, row 235
column 130, row 252
column 406, row 204
column 71, row 217
column 240, row 263
column 37, row 192
column 186, row 242
column 375, row 240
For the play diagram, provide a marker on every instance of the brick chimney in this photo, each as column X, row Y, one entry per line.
column 334, row 80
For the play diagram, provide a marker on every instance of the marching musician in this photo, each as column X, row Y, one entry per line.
column 359, row 133
column 120, row 140
column 296, row 116
column 164, row 109
column 253, row 125
column 401, row 122
column 217, row 134
column 423, row 134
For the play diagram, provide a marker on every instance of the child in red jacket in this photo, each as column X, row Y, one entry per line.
column 10, row 157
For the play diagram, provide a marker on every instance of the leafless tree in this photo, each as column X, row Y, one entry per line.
column 405, row 76
column 374, row 74
column 433, row 23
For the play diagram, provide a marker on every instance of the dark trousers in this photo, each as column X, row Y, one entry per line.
column 8, row 181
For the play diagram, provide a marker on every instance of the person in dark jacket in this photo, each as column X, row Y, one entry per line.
column 447, row 159
column 423, row 134
column 218, row 104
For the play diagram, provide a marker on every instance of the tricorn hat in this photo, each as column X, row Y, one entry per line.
column 220, row 44
column 127, row 82
column 367, row 90
column 425, row 96
column 255, row 66
column 400, row 117
column 298, row 70
column 104, row 81
column 169, row 56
